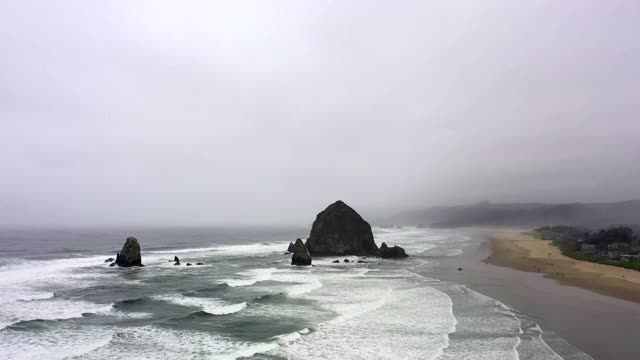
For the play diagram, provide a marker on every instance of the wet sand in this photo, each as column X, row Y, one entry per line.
column 603, row 326
column 515, row 249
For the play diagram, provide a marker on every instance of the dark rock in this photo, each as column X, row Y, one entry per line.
column 189, row 264
column 459, row 269
column 340, row 230
column 112, row 264
column 109, row 260
column 176, row 260
column 176, row 264
column 395, row 252
column 287, row 253
column 297, row 245
column 300, row 256
column 291, row 247
column 199, row 263
column 361, row 262
column 130, row 254
column 346, row 260
column 335, row 261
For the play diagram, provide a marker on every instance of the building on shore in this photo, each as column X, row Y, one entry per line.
column 628, row 257
column 588, row 249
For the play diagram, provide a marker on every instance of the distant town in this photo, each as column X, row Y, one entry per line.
column 617, row 246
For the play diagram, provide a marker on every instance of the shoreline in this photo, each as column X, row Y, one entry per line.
column 514, row 249
column 602, row 326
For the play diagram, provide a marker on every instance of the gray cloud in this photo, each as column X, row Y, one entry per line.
column 151, row 112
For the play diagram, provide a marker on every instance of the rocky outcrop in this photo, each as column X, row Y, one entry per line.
column 395, row 252
column 130, row 254
column 291, row 247
column 300, row 256
column 176, row 260
column 109, row 260
column 340, row 230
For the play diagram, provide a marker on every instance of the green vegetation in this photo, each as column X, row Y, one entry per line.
column 606, row 246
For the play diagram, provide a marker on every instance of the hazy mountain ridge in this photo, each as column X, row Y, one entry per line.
column 523, row 214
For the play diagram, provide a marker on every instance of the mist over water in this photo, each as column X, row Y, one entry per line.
column 213, row 113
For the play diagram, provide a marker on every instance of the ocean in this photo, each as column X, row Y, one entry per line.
column 61, row 300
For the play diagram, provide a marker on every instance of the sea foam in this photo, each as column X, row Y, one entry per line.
column 53, row 309
column 250, row 277
column 210, row 305
column 386, row 318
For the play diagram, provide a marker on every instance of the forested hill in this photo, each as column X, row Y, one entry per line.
column 522, row 214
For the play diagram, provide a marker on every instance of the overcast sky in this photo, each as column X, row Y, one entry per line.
column 264, row 112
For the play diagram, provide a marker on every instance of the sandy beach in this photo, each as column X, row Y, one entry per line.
column 516, row 249
column 598, row 318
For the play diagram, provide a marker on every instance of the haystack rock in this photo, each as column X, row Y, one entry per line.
column 340, row 230
column 130, row 254
column 291, row 247
column 300, row 256
column 395, row 252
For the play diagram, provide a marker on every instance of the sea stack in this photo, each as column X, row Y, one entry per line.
column 395, row 252
column 300, row 256
column 130, row 254
column 339, row 230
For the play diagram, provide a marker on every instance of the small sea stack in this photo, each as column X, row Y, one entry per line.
column 176, row 261
column 300, row 256
column 395, row 252
column 130, row 254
